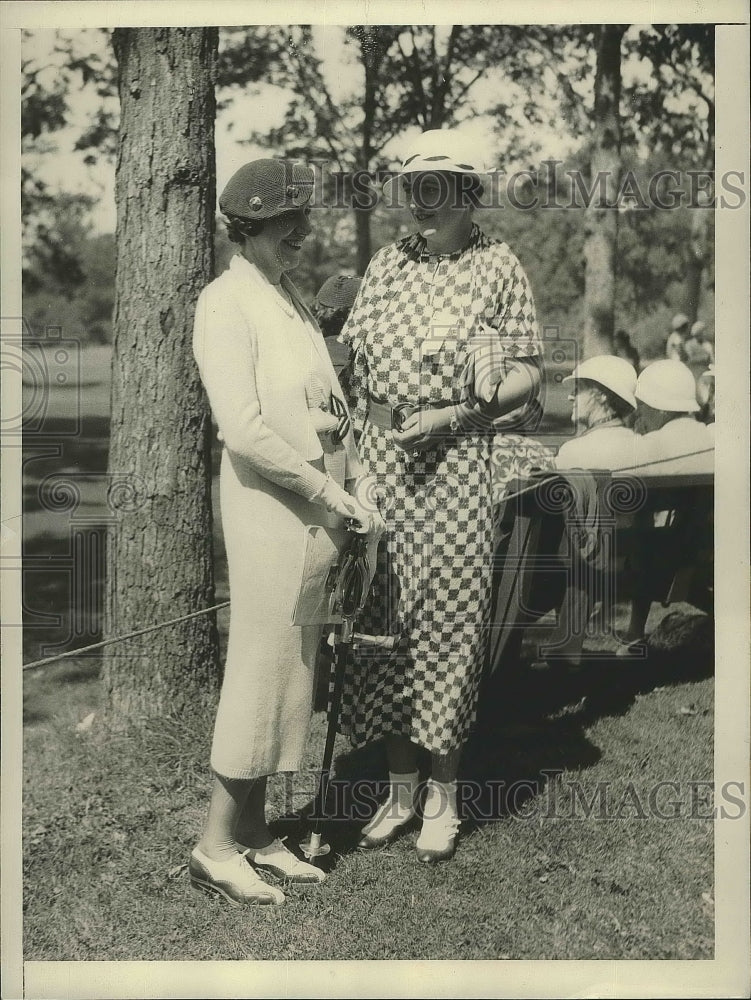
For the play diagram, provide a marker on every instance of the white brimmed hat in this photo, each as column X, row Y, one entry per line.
column 440, row 149
column 668, row 385
column 615, row 374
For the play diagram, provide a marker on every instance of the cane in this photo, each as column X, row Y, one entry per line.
column 348, row 600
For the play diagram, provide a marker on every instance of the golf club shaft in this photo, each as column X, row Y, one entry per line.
column 328, row 752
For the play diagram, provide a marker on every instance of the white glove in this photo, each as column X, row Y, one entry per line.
column 338, row 501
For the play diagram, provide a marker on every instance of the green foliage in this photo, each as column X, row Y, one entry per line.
column 60, row 225
column 410, row 76
column 673, row 109
column 55, row 222
column 84, row 311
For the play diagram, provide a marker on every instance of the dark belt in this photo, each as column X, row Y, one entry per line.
column 382, row 414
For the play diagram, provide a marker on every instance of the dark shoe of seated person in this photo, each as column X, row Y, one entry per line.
column 557, row 667
column 233, row 880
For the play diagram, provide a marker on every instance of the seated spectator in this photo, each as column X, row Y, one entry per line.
column 673, row 440
column 675, row 349
column 699, row 350
column 331, row 307
column 705, row 397
column 603, row 400
column 698, row 347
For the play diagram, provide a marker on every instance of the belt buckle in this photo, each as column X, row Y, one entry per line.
column 400, row 413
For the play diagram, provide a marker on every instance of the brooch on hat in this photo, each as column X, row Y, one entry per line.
column 255, row 203
column 292, row 190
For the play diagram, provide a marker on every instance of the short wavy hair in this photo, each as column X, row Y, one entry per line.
column 239, row 229
column 611, row 403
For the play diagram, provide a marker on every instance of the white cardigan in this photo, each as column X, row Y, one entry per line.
column 259, row 404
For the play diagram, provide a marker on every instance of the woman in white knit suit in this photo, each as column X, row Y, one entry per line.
column 270, row 382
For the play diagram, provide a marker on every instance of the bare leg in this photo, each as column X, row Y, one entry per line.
column 228, row 797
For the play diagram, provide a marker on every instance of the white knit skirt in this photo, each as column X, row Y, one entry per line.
column 266, row 699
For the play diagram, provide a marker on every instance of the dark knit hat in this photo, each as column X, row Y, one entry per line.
column 264, row 188
column 339, row 291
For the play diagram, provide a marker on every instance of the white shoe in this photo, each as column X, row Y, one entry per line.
column 389, row 820
column 278, row 860
column 440, row 825
column 233, row 880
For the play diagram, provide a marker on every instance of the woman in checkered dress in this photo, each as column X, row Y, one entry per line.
column 444, row 324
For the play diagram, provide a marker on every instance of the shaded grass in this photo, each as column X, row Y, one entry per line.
column 110, row 818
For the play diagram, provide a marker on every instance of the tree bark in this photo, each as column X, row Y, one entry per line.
column 371, row 51
column 697, row 252
column 364, row 240
column 161, row 564
column 601, row 226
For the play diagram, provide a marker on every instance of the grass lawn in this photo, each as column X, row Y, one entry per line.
column 563, row 853
column 110, row 819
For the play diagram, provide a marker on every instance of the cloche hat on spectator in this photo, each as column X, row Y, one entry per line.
column 698, row 328
column 679, row 321
column 264, row 188
column 439, row 149
column 339, row 291
column 668, row 385
column 615, row 374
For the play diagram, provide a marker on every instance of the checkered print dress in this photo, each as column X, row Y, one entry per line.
column 408, row 334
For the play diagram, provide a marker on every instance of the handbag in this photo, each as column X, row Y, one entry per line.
column 323, row 552
column 322, row 547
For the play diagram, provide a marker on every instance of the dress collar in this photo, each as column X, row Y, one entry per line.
column 607, row 422
column 244, row 270
column 415, row 247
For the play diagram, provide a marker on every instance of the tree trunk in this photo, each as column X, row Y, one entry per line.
column 364, row 243
column 371, row 53
column 696, row 255
column 601, row 226
column 161, row 563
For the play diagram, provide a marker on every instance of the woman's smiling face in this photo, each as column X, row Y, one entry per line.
column 277, row 247
column 436, row 202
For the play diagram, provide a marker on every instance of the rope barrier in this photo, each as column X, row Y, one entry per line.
column 121, row 638
column 217, row 607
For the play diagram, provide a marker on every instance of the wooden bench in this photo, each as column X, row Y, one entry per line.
column 572, row 540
